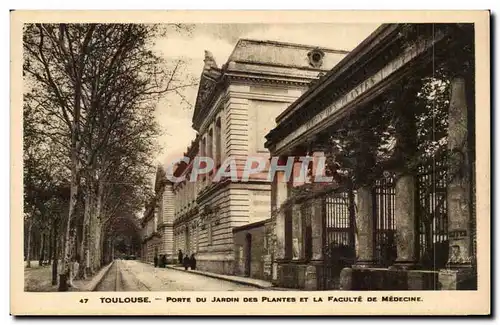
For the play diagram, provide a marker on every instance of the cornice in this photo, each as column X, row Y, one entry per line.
column 270, row 79
column 186, row 216
column 213, row 100
column 153, row 235
column 367, row 59
column 211, row 189
column 164, row 225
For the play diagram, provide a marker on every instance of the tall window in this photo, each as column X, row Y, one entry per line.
column 210, row 140
column 203, row 151
column 218, row 142
column 202, row 147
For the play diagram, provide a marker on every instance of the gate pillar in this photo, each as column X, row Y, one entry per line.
column 405, row 219
column 279, row 196
column 298, row 179
column 318, row 211
column 364, row 228
column 317, row 221
column 460, row 273
column 459, row 216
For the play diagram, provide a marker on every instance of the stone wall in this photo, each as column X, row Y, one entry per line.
column 254, row 239
column 387, row 279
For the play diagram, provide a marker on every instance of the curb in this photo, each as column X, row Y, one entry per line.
column 98, row 278
column 216, row 276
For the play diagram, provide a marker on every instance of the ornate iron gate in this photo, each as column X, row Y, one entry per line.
column 432, row 215
column 339, row 251
column 384, row 194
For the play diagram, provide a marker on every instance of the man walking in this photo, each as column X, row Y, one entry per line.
column 186, row 262
column 179, row 257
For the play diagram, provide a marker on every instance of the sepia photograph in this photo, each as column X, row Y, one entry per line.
column 332, row 157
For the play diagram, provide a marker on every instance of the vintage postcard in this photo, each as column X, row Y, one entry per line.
column 250, row 163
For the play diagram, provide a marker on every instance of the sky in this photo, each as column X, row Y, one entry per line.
column 175, row 110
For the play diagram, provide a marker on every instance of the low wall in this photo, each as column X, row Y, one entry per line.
column 388, row 279
column 220, row 267
column 307, row 275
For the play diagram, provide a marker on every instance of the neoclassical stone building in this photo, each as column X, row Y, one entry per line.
column 157, row 223
column 236, row 106
column 186, row 228
column 412, row 227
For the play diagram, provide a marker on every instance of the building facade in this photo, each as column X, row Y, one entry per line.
column 236, row 106
column 404, row 219
column 253, row 250
column 157, row 223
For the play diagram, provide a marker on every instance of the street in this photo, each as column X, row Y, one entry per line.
column 129, row 275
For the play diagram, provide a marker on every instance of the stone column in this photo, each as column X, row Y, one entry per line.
column 318, row 206
column 280, row 190
column 317, row 221
column 460, row 273
column 297, row 231
column 364, row 228
column 405, row 219
column 316, row 156
column 458, row 198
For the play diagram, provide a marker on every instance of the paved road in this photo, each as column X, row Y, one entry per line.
column 136, row 276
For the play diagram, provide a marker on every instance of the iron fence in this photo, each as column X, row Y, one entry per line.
column 384, row 241
column 432, row 214
column 339, row 248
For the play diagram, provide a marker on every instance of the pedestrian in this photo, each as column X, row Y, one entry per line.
column 179, row 257
column 193, row 262
column 164, row 261
column 186, row 262
column 155, row 260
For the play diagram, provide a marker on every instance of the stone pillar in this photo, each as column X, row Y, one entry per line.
column 458, row 196
column 299, row 174
column 297, row 233
column 297, row 224
column 364, row 228
column 317, row 208
column 460, row 273
column 316, row 155
column 405, row 219
column 279, row 196
column 317, row 221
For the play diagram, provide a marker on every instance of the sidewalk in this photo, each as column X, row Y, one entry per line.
column 39, row 279
column 262, row 284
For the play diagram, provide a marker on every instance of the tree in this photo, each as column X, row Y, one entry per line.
column 90, row 81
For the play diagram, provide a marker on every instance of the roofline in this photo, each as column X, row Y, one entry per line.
column 332, row 74
column 251, row 225
column 290, row 44
column 222, row 70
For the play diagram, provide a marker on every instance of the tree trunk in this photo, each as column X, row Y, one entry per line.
column 28, row 248
column 50, row 245
column 97, row 227
column 65, row 265
column 84, row 243
column 75, row 150
column 55, row 255
column 42, row 250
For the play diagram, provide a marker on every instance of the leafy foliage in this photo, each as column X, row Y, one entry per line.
column 90, row 100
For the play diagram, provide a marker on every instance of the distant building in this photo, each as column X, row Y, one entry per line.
column 236, row 106
column 157, row 224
